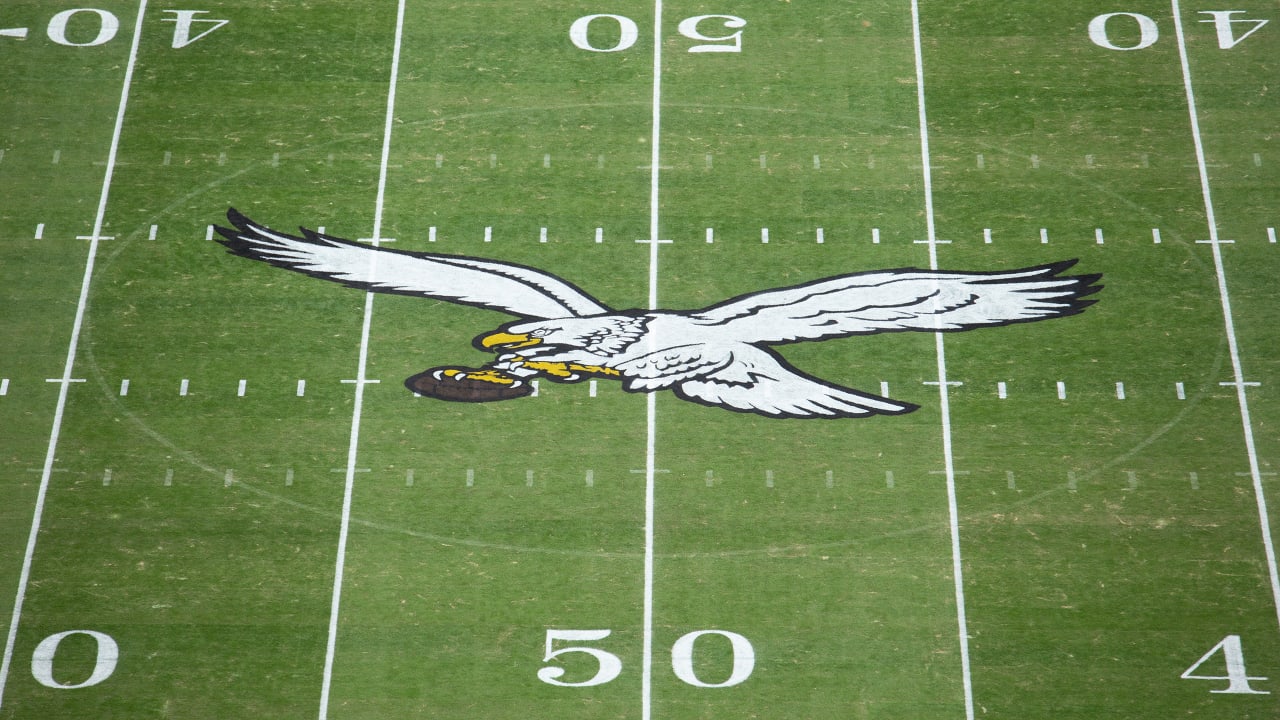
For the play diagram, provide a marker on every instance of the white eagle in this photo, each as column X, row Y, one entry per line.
column 721, row 355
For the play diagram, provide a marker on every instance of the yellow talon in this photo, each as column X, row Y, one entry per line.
column 486, row 375
column 595, row 370
column 568, row 370
column 493, row 376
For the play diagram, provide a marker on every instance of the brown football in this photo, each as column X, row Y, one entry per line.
column 464, row 390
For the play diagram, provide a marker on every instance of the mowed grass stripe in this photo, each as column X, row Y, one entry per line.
column 192, row 539
column 1017, row 545
column 1237, row 370
column 478, row 604
column 65, row 382
column 793, row 586
column 361, row 379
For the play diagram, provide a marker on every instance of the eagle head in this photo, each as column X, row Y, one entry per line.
column 601, row 335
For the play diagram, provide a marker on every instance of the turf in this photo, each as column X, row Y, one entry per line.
column 1107, row 544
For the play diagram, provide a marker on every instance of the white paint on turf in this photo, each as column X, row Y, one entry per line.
column 1224, row 297
column 361, row 378
column 944, row 400
column 77, row 324
column 651, row 407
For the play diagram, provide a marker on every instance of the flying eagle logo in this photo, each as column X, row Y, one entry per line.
column 721, row 356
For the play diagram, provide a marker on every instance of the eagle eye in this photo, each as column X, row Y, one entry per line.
column 540, row 332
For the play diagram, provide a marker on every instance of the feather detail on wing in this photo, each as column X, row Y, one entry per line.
column 897, row 300
column 757, row 381
column 514, row 289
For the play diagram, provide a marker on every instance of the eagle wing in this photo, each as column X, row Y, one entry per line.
column 757, row 381
column 514, row 289
column 897, row 300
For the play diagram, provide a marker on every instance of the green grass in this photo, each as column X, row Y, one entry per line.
column 1107, row 544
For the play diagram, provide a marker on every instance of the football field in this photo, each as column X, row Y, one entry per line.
column 785, row 359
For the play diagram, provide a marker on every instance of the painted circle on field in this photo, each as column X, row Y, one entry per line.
column 760, row 546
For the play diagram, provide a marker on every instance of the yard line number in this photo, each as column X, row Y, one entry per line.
column 91, row 27
column 105, row 659
column 1125, row 24
column 1237, row 677
column 609, row 666
column 627, row 32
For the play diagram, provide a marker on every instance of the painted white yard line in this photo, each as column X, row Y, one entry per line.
column 68, row 368
column 1237, row 369
column 651, row 400
column 944, row 399
column 361, row 381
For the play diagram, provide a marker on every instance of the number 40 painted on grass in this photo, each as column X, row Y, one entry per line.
column 1224, row 22
column 108, row 25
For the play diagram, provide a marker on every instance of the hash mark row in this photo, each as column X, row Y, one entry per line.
column 980, row 161
column 817, row 234
column 711, row 479
column 241, row 388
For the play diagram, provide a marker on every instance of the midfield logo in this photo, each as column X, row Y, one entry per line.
column 719, row 356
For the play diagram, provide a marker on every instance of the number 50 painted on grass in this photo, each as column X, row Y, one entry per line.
column 609, row 666
column 629, row 33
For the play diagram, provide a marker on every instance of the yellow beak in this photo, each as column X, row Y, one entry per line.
column 508, row 341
